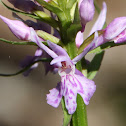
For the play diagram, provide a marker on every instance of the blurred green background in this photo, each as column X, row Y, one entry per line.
column 23, row 99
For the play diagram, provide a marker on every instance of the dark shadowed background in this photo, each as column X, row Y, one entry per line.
column 23, row 99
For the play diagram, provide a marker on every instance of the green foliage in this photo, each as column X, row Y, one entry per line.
column 95, row 64
column 79, row 118
column 53, row 8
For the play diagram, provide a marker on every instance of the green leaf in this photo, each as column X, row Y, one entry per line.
column 17, row 43
column 72, row 12
column 77, row 15
column 67, row 117
column 95, row 64
column 71, row 3
column 53, row 8
column 76, row 25
column 63, row 15
column 26, row 68
column 62, row 4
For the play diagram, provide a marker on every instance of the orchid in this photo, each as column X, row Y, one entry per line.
column 62, row 47
column 72, row 80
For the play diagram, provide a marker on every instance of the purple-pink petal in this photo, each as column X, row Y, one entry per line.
column 79, row 38
column 86, row 87
column 69, row 92
column 91, row 46
column 55, row 96
column 101, row 20
column 57, row 49
column 59, row 59
column 121, row 37
column 117, row 26
column 38, row 52
column 36, row 39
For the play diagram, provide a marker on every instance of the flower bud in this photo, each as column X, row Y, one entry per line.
column 18, row 28
column 86, row 10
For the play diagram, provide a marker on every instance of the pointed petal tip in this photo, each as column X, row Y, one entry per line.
column 6, row 20
column 100, row 20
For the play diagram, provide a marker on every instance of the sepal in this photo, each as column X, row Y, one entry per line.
column 47, row 36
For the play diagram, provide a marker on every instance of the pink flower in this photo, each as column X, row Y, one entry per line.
column 73, row 82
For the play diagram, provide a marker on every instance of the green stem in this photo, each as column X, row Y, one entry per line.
column 26, row 68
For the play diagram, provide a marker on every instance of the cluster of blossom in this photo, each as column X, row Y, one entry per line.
column 72, row 82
